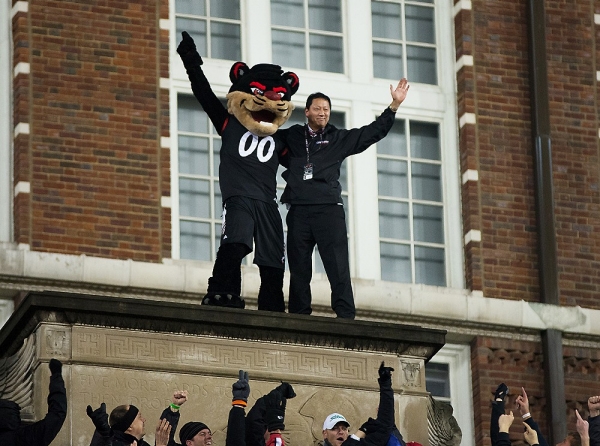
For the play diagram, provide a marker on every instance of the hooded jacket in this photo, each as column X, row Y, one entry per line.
column 40, row 433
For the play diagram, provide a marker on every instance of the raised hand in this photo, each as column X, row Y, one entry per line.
column 385, row 373
column 188, row 52
column 163, row 431
column 594, row 405
column 505, row 421
column 180, row 397
column 55, row 366
column 530, row 435
column 522, row 402
column 275, row 404
column 399, row 93
column 583, row 427
column 241, row 390
column 286, row 390
column 100, row 419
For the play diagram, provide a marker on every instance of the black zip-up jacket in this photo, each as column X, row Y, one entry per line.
column 40, row 433
column 327, row 151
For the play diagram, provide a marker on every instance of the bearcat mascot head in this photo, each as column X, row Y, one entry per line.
column 260, row 97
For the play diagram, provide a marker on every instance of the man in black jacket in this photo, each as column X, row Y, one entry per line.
column 44, row 431
column 314, row 196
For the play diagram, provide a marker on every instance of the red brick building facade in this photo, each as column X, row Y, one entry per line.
column 93, row 111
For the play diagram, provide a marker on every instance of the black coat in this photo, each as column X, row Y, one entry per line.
column 40, row 433
column 327, row 151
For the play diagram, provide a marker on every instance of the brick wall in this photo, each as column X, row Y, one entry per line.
column 501, row 204
column 96, row 112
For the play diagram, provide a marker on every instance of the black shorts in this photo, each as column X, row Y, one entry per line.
column 255, row 223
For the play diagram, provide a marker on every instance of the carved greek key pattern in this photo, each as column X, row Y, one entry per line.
column 126, row 347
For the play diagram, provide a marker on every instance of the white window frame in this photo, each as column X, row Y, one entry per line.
column 368, row 98
column 458, row 359
column 6, row 137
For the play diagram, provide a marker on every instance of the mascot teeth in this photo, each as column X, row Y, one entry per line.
column 265, row 123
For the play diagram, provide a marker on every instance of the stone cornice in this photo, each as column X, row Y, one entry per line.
column 194, row 319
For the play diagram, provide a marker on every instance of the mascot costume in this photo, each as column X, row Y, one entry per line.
column 258, row 103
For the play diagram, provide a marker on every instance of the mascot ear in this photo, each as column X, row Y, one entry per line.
column 238, row 69
column 292, row 80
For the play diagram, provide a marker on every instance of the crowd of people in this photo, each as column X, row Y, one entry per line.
column 587, row 433
column 261, row 426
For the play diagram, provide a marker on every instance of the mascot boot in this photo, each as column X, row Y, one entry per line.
column 225, row 285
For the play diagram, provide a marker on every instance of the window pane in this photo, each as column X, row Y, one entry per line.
column 392, row 178
column 421, row 64
column 289, row 49
column 216, row 156
column 429, row 266
column 419, row 24
column 225, row 41
column 395, row 141
column 194, row 7
column 326, row 53
column 218, row 231
column 437, row 378
column 287, row 13
column 194, row 240
column 424, row 140
column 227, row 9
column 191, row 117
column 426, row 182
column 193, row 155
column 429, row 224
column 386, row 20
column 194, row 198
column 387, row 60
column 395, row 263
column 325, row 15
column 393, row 220
column 196, row 29
column 319, row 268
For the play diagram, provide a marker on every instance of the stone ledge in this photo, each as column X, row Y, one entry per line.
column 194, row 319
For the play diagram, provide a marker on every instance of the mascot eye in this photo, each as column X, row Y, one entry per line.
column 281, row 94
column 256, row 91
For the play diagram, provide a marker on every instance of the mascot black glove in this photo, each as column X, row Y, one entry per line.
column 275, row 410
column 385, row 375
column 241, row 390
column 286, row 389
column 188, row 53
column 100, row 419
column 55, row 366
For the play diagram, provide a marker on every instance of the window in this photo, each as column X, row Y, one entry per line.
column 448, row 379
column 308, row 34
column 404, row 39
column 199, row 193
column 213, row 24
column 411, row 212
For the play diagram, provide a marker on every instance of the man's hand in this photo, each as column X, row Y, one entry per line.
column 163, row 431
column 55, row 366
column 583, row 427
column 180, row 397
column 187, row 51
column 530, row 435
column 241, row 390
column 594, row 405
column 100, row 419
column 286, row 390
column 385, row 373
column 399, row 93
column 522, row 402
column 505, row 421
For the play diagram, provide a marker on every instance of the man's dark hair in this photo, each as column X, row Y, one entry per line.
column 574, row 438
column 117, row 414
column 317, row 95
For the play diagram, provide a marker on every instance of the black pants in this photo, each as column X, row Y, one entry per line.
column 325, row 226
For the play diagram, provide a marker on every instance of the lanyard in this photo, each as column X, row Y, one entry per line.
column 307, row 137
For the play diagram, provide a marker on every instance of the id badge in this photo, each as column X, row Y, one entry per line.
column 308, row 171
